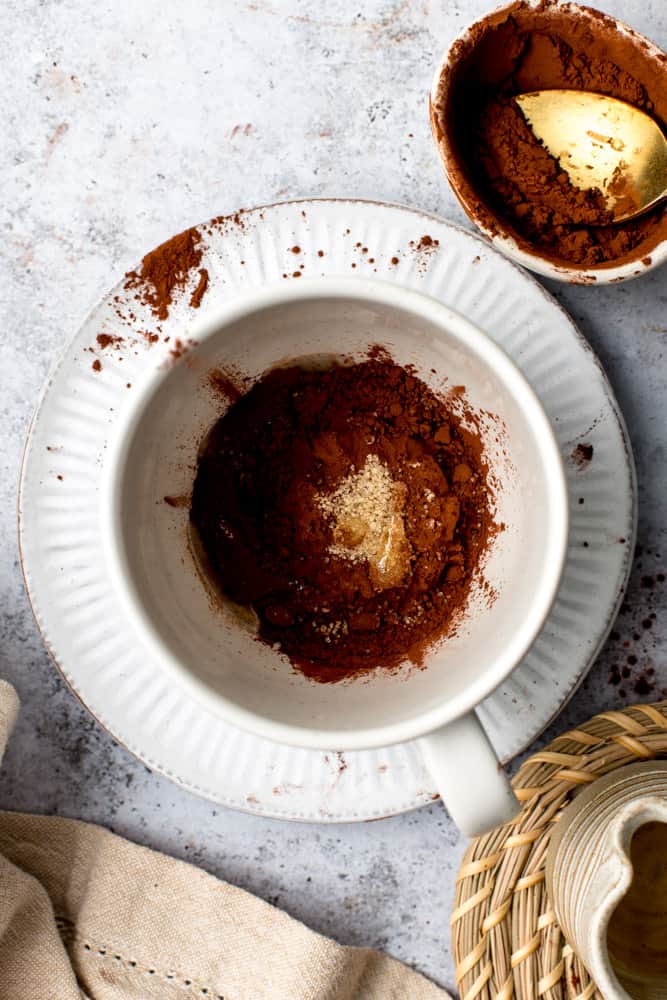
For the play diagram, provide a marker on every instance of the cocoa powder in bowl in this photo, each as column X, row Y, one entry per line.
column 505, row 179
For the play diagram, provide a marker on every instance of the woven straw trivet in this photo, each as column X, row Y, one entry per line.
column 505, row 937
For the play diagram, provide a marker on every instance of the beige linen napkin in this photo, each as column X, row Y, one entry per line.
column 84, row 913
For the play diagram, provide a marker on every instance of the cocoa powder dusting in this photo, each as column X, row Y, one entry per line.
column 200, row 290
column 226, row 384
column 106, row 340
column 180, row 348
column 500, row 166
column 423, row 249
column 166, row 271
column 177, row 501
column 633, row 656
column 350, row 508
column 582, row 456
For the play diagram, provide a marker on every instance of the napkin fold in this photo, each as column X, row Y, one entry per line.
column 87, row 914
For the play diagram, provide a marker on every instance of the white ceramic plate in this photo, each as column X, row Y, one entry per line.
column 79, row 414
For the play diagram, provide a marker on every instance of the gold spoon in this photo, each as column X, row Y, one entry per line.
column 602, row 143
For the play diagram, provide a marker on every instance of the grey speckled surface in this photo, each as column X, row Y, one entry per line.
column 124, row 123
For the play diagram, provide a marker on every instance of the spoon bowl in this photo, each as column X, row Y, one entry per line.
column 603, row 145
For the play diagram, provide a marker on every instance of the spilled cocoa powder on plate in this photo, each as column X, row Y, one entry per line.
column 349, row 507
column 166, row 271
column 582, row 456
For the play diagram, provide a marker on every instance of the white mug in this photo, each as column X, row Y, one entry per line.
column 607, row 880
column 247, row 683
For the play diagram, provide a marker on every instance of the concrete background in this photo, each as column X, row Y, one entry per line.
column 123, row 124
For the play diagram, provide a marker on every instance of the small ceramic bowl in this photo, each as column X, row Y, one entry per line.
column 219, row 658
column 607, row 880
column 483, row 39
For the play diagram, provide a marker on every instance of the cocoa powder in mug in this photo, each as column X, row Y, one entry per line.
column 350, row 508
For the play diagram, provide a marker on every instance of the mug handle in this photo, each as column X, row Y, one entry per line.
column 468, row 775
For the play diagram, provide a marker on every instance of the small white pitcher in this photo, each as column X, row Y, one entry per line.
column 607, row 880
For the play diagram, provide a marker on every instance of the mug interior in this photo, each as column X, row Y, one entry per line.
column 207, row 645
